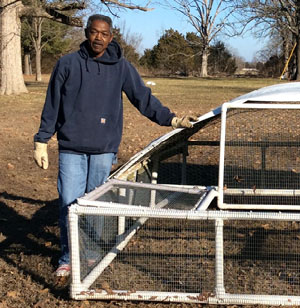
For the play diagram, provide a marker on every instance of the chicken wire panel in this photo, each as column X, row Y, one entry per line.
column 116, row 192
column 149, row 197
column 192, row 256
column 198, row 161
column 97, row 236
column 165, row 255
column 261, row 165
column 262, row 257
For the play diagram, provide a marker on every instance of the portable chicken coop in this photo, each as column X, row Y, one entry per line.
column 201, row 215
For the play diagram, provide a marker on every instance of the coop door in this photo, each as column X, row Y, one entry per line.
column 260, row 157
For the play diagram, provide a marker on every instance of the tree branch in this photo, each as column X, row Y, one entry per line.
column 67, row 6
column 51, row 14
column 127, row 6
column 67, row 20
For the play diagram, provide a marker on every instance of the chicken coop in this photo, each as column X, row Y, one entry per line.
column 202, row 215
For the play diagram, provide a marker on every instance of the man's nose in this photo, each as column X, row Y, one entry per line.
column 99, row 36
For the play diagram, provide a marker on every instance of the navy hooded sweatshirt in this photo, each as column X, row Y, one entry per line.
column 84, row 101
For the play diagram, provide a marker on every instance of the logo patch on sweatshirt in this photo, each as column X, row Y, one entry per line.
column 102, row 120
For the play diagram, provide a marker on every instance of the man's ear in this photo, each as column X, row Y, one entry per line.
column 86, row 32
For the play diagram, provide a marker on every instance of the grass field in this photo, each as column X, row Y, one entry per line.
column 29, row 241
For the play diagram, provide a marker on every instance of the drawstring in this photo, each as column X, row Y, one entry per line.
column 86, row 58
column 86, row 65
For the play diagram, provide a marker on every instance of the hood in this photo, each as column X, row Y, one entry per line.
column 112, row 54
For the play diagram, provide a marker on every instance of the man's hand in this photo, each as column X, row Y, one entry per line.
column 184, row 122
column 40, row 154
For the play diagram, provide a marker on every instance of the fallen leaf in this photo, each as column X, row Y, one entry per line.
column 12, row 294
column 10, row 166
column 46, row 290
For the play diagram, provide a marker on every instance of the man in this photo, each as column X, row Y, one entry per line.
column 84, row 107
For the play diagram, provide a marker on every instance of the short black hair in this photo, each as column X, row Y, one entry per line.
column 99, row 17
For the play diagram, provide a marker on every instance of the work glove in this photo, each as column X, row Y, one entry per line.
column 40, row 154
column 184, row 122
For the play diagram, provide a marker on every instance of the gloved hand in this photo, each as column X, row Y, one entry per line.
column 184, row 122
column 40, row 154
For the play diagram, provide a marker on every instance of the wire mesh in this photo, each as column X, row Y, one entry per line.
column 97, row 236
column 150, row 198
column 262, row 257
column 145, row 195
column 258, row 258
column 165, row 255
column 262, row 156
column 196, row 161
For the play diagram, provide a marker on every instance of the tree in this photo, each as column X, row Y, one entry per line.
column 171, row 54
column 129, row 44
column 44, row 36
column 273, row 67
column 220, row 59
column 27, row 48
column 195, row 44
column 275, row 16
column 11, row 11
column 208, row 17
column 11, row 79
column 148, row 59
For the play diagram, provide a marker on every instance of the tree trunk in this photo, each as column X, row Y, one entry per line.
column 204, row 62
column 37, row 22
column 11, row 75
column 27, row 64
column 38, row 70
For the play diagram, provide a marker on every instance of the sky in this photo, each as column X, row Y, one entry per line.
column 152, row 24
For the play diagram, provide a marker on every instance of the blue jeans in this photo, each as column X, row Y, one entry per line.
column 78, row 174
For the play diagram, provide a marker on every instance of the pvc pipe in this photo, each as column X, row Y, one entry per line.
column 189, row 215
column 206, row 201
column 219, row 262
column 74, row 251
column 145, row 296
column 222, row 155
column 260, row 106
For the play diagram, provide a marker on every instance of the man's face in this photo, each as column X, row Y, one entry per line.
column 99, row 36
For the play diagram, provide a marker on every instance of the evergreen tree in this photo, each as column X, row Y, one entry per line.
column 129, row 51
column 220, row 60
column 172, row 54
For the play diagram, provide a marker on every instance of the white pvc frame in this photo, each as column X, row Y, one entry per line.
column 90, row 202
column 80, row 290
column 258, row 192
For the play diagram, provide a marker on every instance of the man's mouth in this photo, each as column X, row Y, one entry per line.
column 97, row 44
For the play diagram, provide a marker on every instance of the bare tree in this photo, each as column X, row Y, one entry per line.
column 274, row 18
column 208, row 18
column 11, row 11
